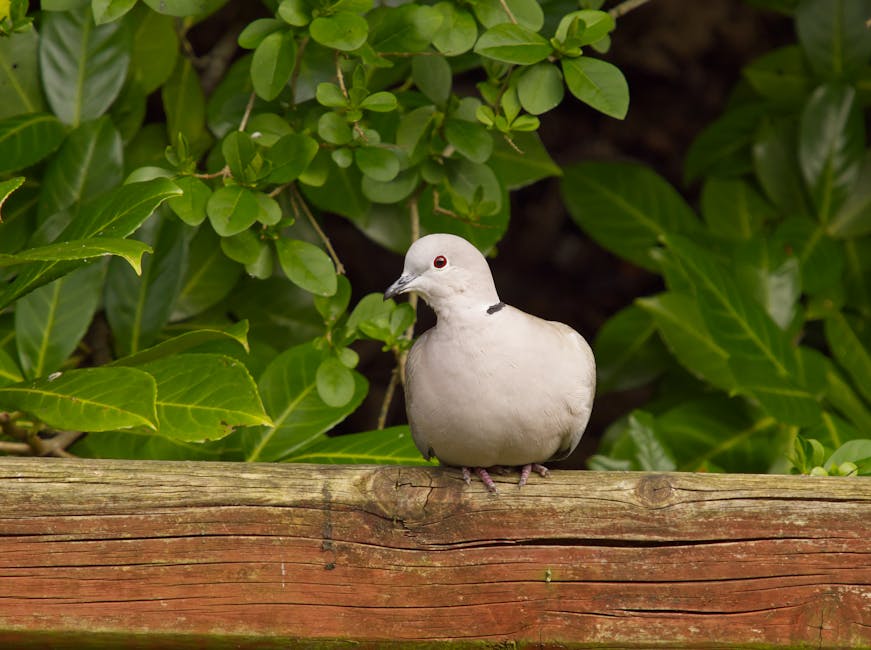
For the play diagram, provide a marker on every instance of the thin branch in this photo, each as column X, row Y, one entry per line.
column 16, row 448
column 508, row 11
column 301, row 204
column 339, row 75
column 625, row 7
column 221, row 173
column 247, row 115
column 388, row 398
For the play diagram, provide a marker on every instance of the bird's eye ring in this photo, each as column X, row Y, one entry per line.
column 440, row 262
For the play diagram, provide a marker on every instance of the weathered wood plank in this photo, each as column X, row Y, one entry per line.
column 152, row 554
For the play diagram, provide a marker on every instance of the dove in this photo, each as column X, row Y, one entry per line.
column 489, row 386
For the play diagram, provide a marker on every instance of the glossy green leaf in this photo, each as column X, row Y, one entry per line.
column 88, row 163
column 599, row 84
column 392, row 191
column 210, row 276
column 378, row 163
column 204, row 396
column 683, row 330
column 10, row 373
column 19, row 75
column 189, row 341
column 300, row 416
column 243, row 248
column 853, row 219
column 340, row 194
column 81, row 249
column 458, row 30
column 849, row 350
column 511, row 43
column 6, row 188
column 380, row 102
column 307, row 266
column 625, row 207
column 540, row 88
column 190, row 206
column 138, row 305
column 781, row 76
column 596, row 25
column 257, row 30
column 89, row 399
column 765, row 271
column 628, row 353
column 391, row 446
column 834, row 36
column 239, row 153
column 831, row 146
column 27, row 139
column 232, row 209
column 83, row 66
column 470, row 139
column 273, row 63
column 155, row 49
column 821, row 258
column 333, row 128
column 50, row 322
column 290, row 156
column 341, row 31
column 335, row 382
column 723, row 147
column 777, row 168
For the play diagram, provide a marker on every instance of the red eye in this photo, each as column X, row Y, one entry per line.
column 440, row 262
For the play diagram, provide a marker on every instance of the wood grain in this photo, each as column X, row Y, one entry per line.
column 162, row 554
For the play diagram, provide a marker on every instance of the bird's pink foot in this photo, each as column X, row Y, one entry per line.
column 483, row 474
column 541, row 470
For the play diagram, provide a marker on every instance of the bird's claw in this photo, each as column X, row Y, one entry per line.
column 487, row 480
column 484, row 476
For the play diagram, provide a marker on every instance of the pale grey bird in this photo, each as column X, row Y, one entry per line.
column 489, row 385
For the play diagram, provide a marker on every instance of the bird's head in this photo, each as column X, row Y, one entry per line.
column 448, row 272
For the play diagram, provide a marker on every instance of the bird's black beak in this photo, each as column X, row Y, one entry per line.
column 398, row 287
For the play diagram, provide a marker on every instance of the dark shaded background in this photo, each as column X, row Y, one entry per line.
column 681, row 59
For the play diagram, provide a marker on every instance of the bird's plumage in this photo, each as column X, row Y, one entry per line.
column 489, row 384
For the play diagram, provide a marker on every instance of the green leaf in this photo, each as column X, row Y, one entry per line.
column 232, row 209
column 831, row 146
column 599, row 84
column 470, row 139
column 392, row 191
column 628, row 354
column 290, row 156
column 257, row 30
column 723, row 147
column 295, row 12
column 340, row 194
column 88, row 163
column 6, row 188
column 185, row 105
column 83, row 66
column 851, row 451
column 821, row 258
column 380, row 102
column 27, row 139
column 335, row 383
column 107, row 11
column 50, row 322
column 834, row 36
column 512, row 43
column 458, row 30
column 10, row 373
column 732, row 208
column 378, row 163
column 307, row 266
column 853, row 219
column 115, row 215
column 527, row 13
column 596, row 25
column 190, row 206
column 848, row 350
column 540, row 88
column 19, row 74
column 204, row 396
column 518, row 169
column 81, row 249
column 289, row 391
column 781, row 76
column 236, row 333
column 769, row 274
column 138, row 306
column 626, row 208
column 342, row 31
column 155, row 49
column 90, row 399
column 184, row 8
column 407, row 28
column 333, row 128
column 433, row 76
column 239, row 153
column 777, row 167
column 273, row 63
column 391, row 446
column 651, row 453
column 683, row 330
column 330, row 95
column 243, row 248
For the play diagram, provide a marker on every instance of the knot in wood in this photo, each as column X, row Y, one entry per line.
column 654, row 491
column 405, row 494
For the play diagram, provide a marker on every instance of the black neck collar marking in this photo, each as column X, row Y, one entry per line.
column 492, row 309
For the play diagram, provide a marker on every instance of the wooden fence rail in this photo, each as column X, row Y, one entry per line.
column 187, row 555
